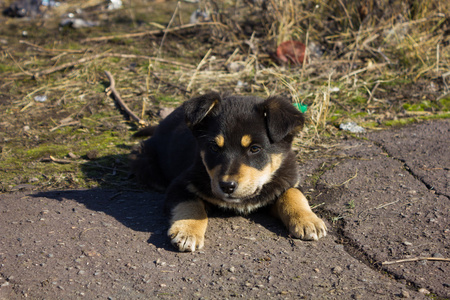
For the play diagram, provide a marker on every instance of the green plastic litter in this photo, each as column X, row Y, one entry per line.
column 301, row 107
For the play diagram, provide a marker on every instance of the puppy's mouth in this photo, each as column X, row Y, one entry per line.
column 232, row 198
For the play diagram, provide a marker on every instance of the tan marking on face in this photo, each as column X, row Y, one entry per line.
column 188, row 225
column 246, row 140
column 211, row 172
column 249, row 179
column 220, row 140
column 294, row 211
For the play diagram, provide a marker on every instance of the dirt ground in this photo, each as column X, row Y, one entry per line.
column 385, row 196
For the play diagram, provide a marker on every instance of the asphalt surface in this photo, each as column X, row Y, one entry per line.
column 385, row 196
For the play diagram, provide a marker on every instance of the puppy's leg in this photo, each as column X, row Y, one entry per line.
column 293, row 209
column 188, row 225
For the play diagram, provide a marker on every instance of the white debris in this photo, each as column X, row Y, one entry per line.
column 40, row 98
column 114, row 4
column 352, row 127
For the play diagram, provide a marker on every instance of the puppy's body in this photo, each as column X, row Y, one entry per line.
column 232, row 152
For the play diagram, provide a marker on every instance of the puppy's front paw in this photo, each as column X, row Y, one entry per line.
column 186, row 236
column 307, row 226
column 188, row 226
column 293, row 209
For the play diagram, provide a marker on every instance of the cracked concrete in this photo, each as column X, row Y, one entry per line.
column 385, row 198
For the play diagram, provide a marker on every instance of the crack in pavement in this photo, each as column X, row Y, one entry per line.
column 409, row 169
column 397, row 212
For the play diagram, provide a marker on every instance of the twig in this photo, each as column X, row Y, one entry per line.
column 65, row 124
column 151, row 32
column 387, row 204
column 373, row 92
column 12, row 57
column 414, row 259
column 112, row 90
column 346, row 12
column 202, row 62
column 356, row 50
column 348, row 180
column 97, row 56
column 56, row 160
column 167, row 30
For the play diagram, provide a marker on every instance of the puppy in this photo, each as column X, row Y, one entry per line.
column 233, row 152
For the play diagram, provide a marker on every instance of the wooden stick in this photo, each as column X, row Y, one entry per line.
column 112, row 90
column 414, row 259
column 150, row 32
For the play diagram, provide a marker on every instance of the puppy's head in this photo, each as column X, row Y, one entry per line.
column 242, row 140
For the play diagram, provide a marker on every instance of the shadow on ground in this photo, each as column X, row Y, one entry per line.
column 135, row 206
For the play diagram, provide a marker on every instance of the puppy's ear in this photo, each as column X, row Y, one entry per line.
column 196, row 109
column 282, row 118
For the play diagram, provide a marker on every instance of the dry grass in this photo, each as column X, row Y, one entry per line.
column 366, row 49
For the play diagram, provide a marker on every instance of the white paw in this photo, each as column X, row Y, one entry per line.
column 308, row 227
column 187, row 239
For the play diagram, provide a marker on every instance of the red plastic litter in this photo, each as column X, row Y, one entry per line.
column 291, row 52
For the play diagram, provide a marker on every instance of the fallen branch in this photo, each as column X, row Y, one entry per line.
column 97, row 56
column 112, row 90
column 414, row 259
column 150, row 32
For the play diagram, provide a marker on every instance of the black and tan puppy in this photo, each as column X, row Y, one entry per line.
column 233, row 152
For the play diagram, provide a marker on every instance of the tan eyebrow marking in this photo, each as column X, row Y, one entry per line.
column 220, row 141
column 246, row 140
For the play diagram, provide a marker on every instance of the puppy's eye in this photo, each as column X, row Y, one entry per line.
column 213, row 147
column 254, row 149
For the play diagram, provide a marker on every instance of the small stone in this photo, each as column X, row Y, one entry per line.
column 339, row 247
column 407, row 243
column 232, row 269
column 405, row 294
column 71, row 155
column 424, row 291
column 337, row 270
column 438, row 255
column 91, row 155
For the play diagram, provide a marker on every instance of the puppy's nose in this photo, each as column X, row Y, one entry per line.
column 228, row 187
